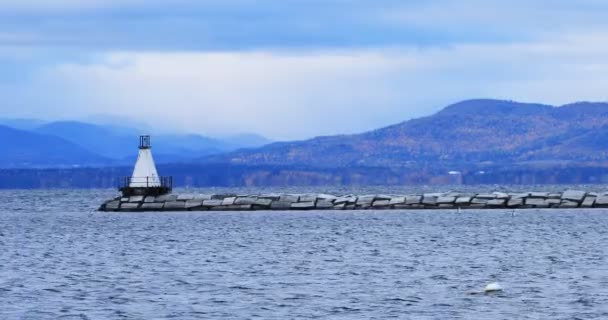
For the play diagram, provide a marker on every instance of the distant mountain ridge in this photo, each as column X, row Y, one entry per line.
column 19, row 148
column 101, row 145
column 464, row 133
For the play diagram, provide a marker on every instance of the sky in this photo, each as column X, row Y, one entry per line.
column 292, row 69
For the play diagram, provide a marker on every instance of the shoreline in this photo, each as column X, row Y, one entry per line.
column 569, row 199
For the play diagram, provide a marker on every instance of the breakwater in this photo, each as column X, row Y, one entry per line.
column 449, row 200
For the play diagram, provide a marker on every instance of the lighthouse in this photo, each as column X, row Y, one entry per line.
column 145, row 179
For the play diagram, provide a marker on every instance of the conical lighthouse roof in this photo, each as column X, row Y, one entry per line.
column 144, row 173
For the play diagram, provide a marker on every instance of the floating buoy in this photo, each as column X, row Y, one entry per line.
column 493, row 287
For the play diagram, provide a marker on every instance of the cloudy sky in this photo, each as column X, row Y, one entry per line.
column 291, row 69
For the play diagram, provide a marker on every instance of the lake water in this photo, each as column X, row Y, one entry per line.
column 59, row 259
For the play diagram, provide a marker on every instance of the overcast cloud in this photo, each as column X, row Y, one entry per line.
column 293, row 69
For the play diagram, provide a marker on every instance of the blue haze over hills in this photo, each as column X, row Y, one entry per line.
column 463, row 134
column 485, row 141
column 31, row 143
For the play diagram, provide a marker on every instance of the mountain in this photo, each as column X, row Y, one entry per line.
column 246, row 140
column 21, row 124
column 121, row 142
column 463, row 134
column 94, row 138
column 20, row 148
column 470, row 142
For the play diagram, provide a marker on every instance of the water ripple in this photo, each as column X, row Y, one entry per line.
column 60, row 261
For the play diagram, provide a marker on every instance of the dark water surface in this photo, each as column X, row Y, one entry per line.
column 61, row 260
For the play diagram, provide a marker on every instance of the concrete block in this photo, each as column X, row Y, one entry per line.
column 568, row 204
column 264, row 202
column 482, row 201
column 515, row 202
column 150, row 199
column 366, row 199
column 270, row 196
column 446, row 200
column 152, row 206
column 413, row 199
column 245, row 200
column 589, row 202
column 136, row 198
column 112, row 205
column 452, row 194
column 537, row 202
column 308, row 198
column 175, row 205
column 365, row 202
column 324, row 204
column 601, row 201
column 129, row 205
column 212, row 203
column 501, row 195
column 381, row 203
column 397, row 200
column 520, row 195
column 289, row 198
column 496, row 202
column 463, row 201
column 228, row 201
column 346, row 199
column 327, row 197
column 193, row 204
column 574, row 195
column 340, row 206
column 429, row 200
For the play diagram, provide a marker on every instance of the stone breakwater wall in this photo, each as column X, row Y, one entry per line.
column 450, row 200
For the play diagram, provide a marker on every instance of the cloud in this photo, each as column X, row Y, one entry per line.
column 155, row 25
column 288, row 95
column 483, row 21
column 276, row 94
column 71, row 6
column 293, row 69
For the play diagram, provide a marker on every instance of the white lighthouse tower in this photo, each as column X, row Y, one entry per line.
column 144, row 174
column 145, row 179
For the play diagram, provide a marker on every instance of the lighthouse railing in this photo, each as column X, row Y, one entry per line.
column 147, row 182
column 154, row 185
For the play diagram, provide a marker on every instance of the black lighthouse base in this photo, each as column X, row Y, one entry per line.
column 156, row 189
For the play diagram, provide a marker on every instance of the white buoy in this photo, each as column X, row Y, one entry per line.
column 493, row 287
